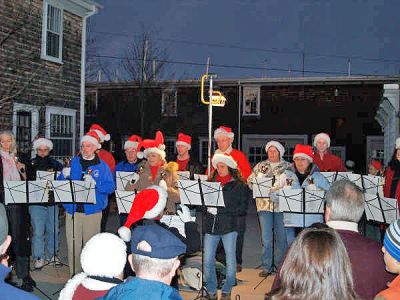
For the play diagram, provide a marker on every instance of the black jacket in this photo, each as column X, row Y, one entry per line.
column 236, row 198
column 194, row 167
column 43, row 164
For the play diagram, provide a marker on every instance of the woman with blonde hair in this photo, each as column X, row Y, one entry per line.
column 317, row 266
column 12, row 169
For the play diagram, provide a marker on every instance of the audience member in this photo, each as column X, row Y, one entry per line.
column 154, row 259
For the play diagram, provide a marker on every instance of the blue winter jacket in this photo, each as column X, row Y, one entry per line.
column 125, row 166
column 143, row 289
column 9, row 292
column 105, row 185
column 315, row 176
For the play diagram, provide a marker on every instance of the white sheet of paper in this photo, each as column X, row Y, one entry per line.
column 85, row 192
column 330, row 176
column 290, row 200
column 15, row 192
column 201, row 176
column 374, row 212
column 184, row 175
column 62, row 191
column 174, row 221
column 262, row 187
column 213, row 195
column 46, row 175
column 38, row 191
column 314, row 201
column 356, row 179
column 124, row 201
column 189, row 193
column 122, row 178
column 373, row 184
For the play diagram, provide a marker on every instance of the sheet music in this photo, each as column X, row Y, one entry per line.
column 291, row 200
column 184, row 175
column 62, row 191
column 124, row 201
column 46, row 175
column 330, row 176
column 262, row 187
column 122, row 178
column 84, row 191
column 314, row 201
column 38, row 191
column 374, row 212
column 356, row 179
column 189, row 193
column 15, row 192
column 373, row 184
column 201, row 176
column 174, row 221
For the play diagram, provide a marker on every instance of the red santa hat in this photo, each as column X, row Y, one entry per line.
column 304, row 151
column 376, row 164
column 91, row 137
column 324, row 136
column 224, row 158
column 223, row 130
column 148, row 204
column 152, row 146
column 103, row 135
column 185, row 140
column 278, row 147
column 42, row 142
column 132, row 142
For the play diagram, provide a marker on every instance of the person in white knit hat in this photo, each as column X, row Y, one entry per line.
column 326, row 161
column 103, row 259
column 273, row 167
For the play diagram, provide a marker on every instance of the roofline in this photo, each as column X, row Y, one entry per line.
column 282, row 81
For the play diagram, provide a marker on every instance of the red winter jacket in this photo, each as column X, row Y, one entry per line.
column 389, row 172
column 108, row 158
column 243, row 164
column 330, row 163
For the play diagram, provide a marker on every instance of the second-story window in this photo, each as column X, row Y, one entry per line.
column 52, row 33
column 169, row 103
column 251, row 101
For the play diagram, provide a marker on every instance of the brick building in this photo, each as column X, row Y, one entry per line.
column 291, row 110
column 42, row 70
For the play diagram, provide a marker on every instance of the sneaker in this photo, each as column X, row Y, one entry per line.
column 27, row 284
column 226, row 296
column 55, row 261
column 38, row 264
column 238, row 268
column 264, row 273
column 213, row 296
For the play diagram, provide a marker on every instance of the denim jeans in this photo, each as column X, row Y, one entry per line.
column 44, row 222
column 210, row 247
column 266, row 219
column 290, row 234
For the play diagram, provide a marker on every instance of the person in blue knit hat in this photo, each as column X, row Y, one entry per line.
column 154, row 259
column 391, row 256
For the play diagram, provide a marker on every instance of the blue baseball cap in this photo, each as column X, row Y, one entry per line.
column 163, row 243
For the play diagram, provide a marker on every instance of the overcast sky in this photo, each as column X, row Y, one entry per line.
column 250, row 29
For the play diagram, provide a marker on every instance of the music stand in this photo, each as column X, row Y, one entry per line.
column 184, row 175
column 373, row 184
column 122, row 178
column 381, row 209
column 124, row 200
column 203, row 194
column 334, row 176
column 202, row 177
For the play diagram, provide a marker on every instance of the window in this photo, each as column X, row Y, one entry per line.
column 170, row 148
column 169, row 103
column 251, row 101
column 52, row 33
column 25, row 125
column 203, row 150
column 91, row 103
column 60, row 128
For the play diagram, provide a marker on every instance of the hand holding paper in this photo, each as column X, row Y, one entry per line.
column 184, row 214
column 212, row 210
column 88, row 178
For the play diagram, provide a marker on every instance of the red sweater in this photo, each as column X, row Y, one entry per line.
column 108, row 158
column 330, row 163
column 243, row 164
column 83, row 293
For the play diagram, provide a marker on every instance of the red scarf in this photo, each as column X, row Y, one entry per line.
column 224, row 180
column 154, row 170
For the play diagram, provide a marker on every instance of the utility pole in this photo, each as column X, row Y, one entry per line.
column 302, row 68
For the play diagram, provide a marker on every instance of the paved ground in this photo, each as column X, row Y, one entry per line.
column 51, row 279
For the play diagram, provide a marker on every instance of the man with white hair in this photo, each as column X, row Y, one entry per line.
column 154, row 259
column 224, row 137
column 44, row 217
column 89, row 167
column 7, row 291
column 326, row 161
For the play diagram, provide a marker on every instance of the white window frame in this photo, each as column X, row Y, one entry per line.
column 34, row 110
column 43, row 54
column 257, row 90
column 163, row 113
column 201, row 140
column 65, row 112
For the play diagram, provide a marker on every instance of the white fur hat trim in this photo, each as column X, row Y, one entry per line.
column 154, row 150
column 226, row 159
column 303, row 155
column 221, row 131
column 103, row 137
column 184, row 144
column 130, row 144
column 277, row 145
column 161, row 203
column 43, row 142
column 90, row 139
column 323, row 136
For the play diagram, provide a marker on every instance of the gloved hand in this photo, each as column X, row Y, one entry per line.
column 184, row 214
column 134, row 178
column 212, row 210
column 66, row 172
column 311, row 187
column 88, row 178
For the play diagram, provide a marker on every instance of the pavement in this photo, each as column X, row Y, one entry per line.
column 50, row 280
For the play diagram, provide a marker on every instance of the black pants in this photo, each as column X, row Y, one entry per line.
column 105, row 213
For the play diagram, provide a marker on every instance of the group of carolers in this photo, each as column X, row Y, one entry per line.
column 230, row 167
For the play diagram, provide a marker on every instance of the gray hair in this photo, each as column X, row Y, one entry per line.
column 346, row 201
column 13, row 148
column 155, row 266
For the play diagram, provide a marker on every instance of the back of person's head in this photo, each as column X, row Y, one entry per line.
column 391, row 247
column 345, row 201
column 317, row 266
column 155, row 252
